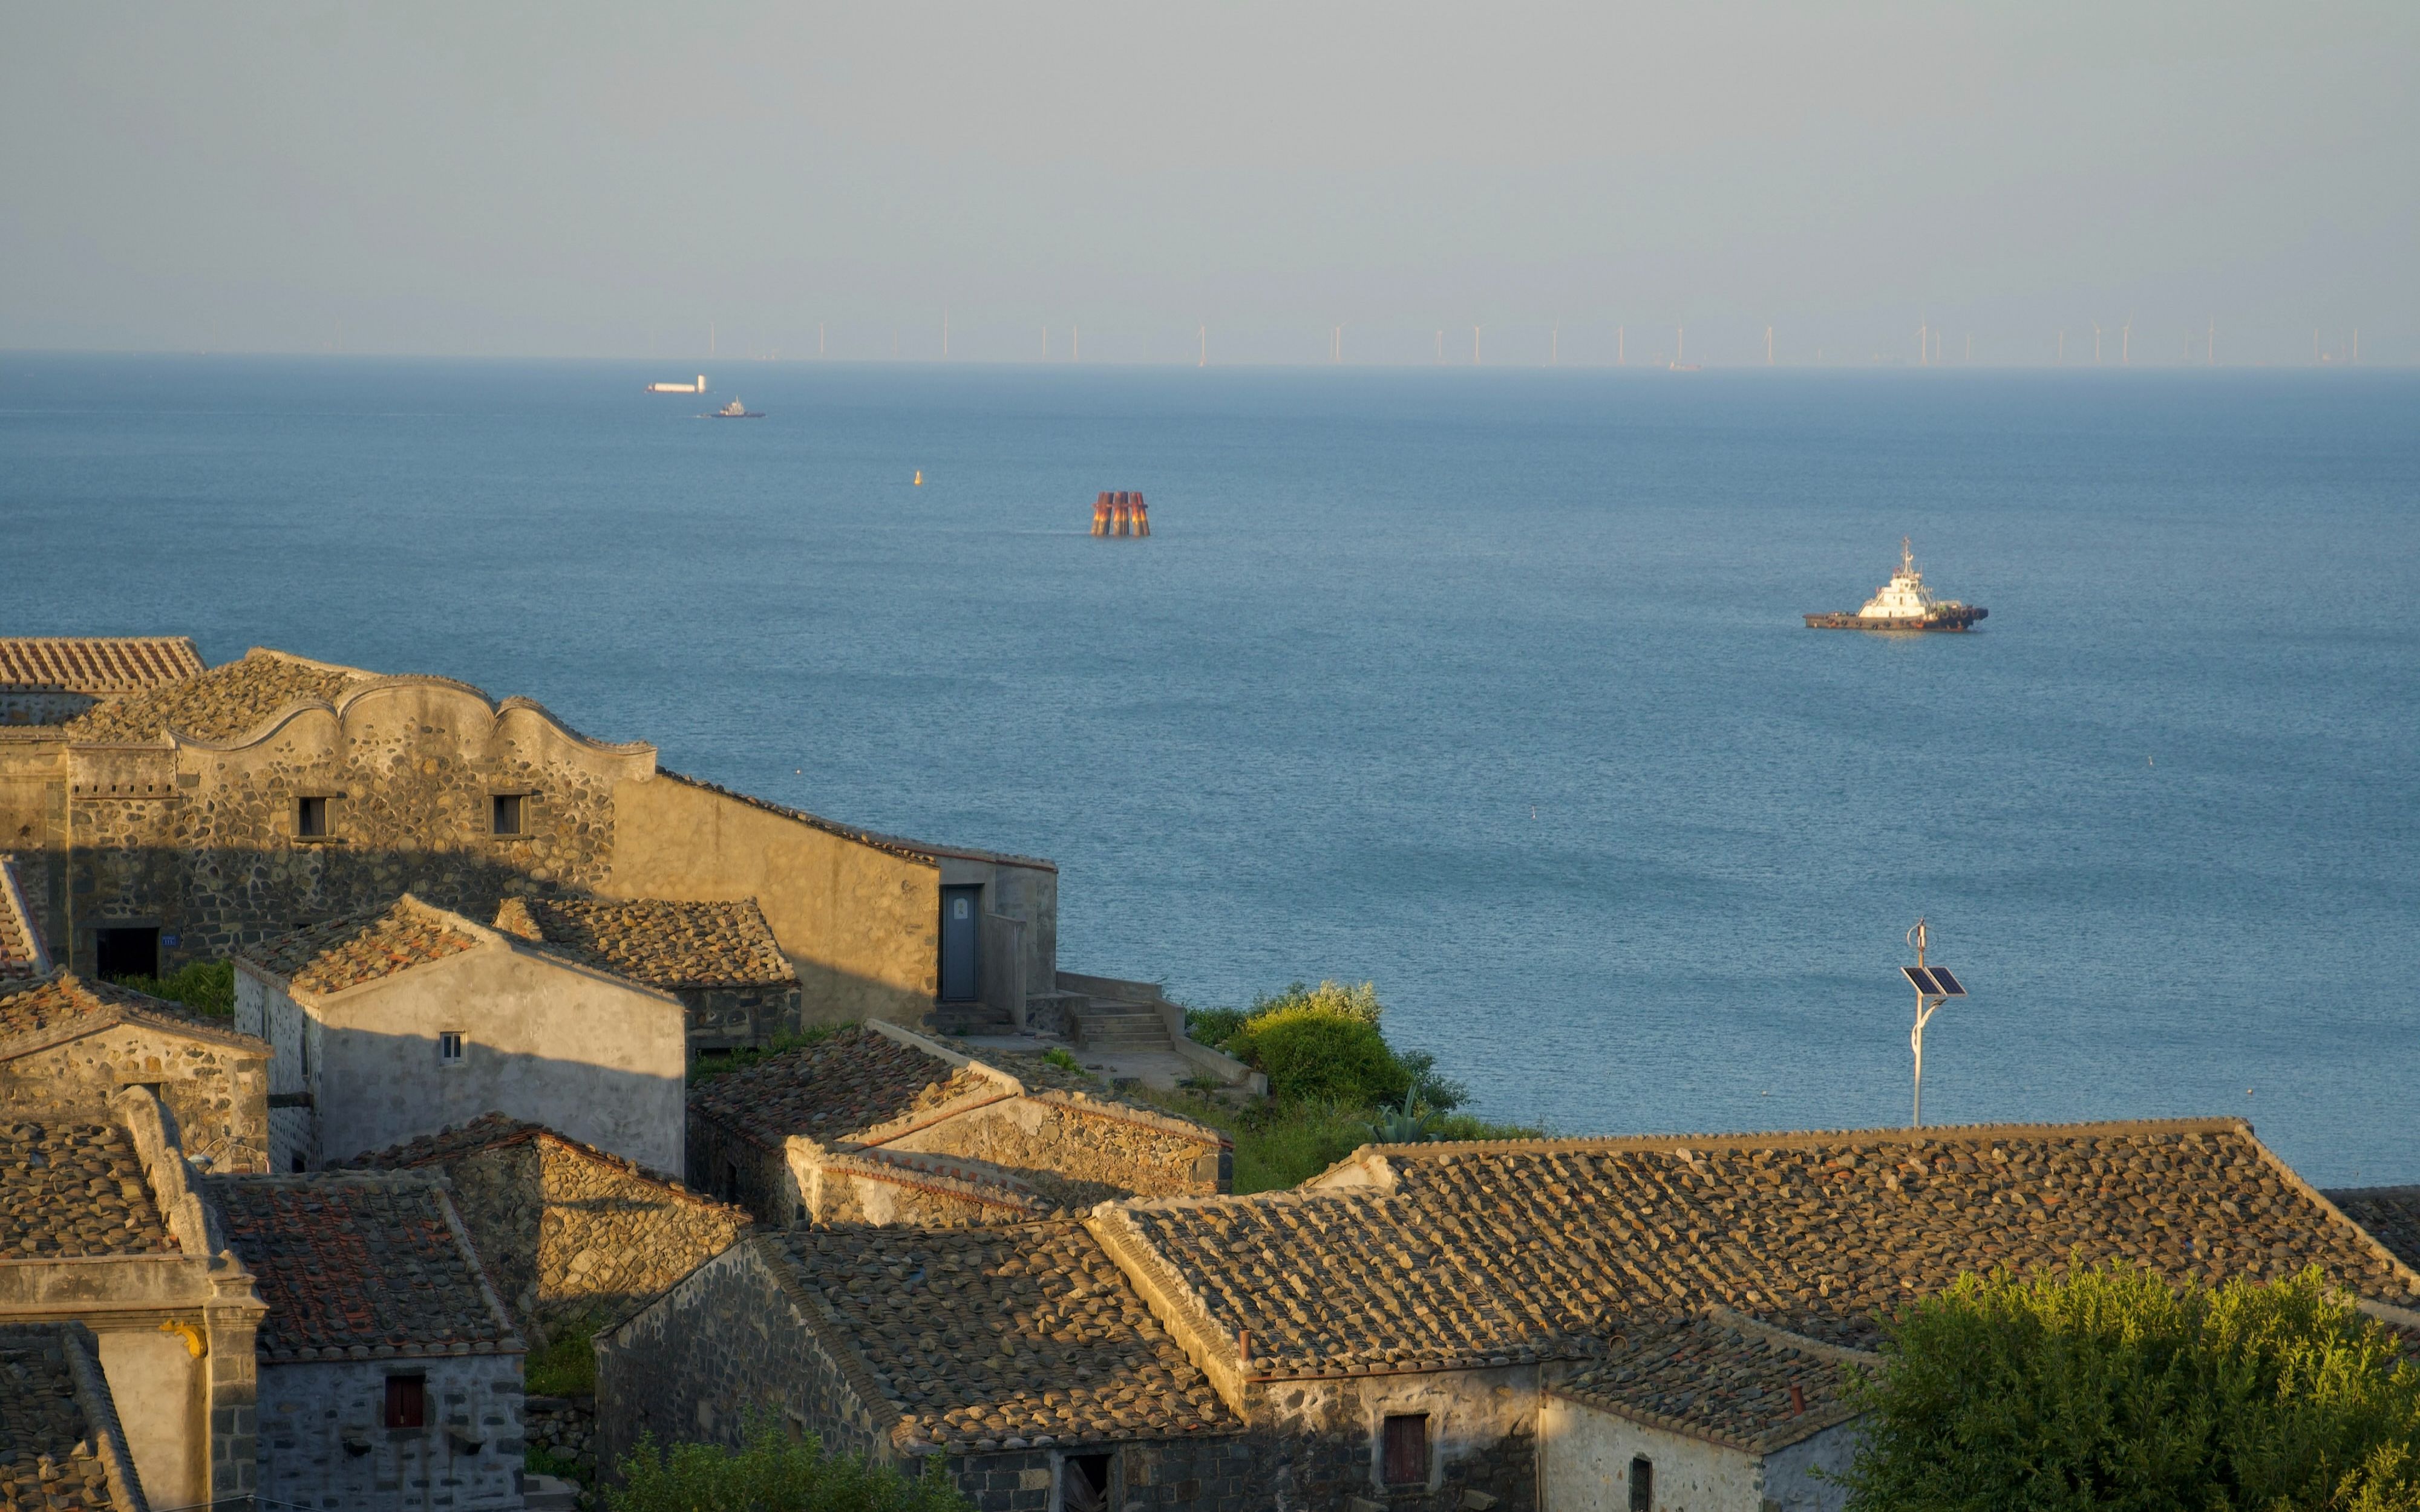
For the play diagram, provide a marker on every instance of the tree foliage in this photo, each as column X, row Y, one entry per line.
column 2110, row 1389
column 1323, row 1044
column 204, row 986
column 772, row 1472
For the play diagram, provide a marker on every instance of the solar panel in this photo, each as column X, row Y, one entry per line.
column 1922, row 977
column 1949, row 986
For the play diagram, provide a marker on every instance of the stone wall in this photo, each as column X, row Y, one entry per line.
column 24, row 706
column 574, row 1237
column 564, row 1426
column 201, row 843
column 216, row 1092
column 1077, row 1152
column 323, row 1443
column 725, row 1018
column 726, row 1165
column 734, row 1338
column 1321, row 1441
column 876, row 1188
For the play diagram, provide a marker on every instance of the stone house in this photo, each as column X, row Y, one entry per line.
column 61, row 1447
column 185, row 819
column 400, row 1021
column 389, row 1372
column 49, row 680
column 66, row 1043
column 881, row 1125
column 1418, row 1329
column 572, row 1237
column 1713, row 1409
column 720, row 958
column 102, row 1224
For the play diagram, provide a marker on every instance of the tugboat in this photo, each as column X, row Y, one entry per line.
column 1902, row 604
column 735, row 410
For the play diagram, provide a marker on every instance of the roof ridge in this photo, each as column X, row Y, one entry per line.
column 1792, row 1138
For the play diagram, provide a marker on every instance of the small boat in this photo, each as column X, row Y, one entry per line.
column 735, row 410
column 1903, row 604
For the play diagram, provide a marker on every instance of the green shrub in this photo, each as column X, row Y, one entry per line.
column 2110, row 1389
column 1213, row 1026
column 566, row 1367
column 1334, row 998
column 771, row 1471
column 1059, row 1056
column 723, row 1063
column 204, row 986
column 547, row 1462
column 1314, row 1055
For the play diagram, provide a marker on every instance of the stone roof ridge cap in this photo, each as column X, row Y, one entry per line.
column 450, row 920
column 509, row 1339
column 1733, row 1317
column 2408, row 1188
column 2386, row 1312
column 672, row 1185
column 12, row 898
column 914, row 849
column 193, row 1222
column 1103, row 1107
column 100, row 1407
column 297, row 658
column 1697, row 1146
column 2396, row 1266
column 520, row 702
column 957, row 1060
column 1217, row 1349
column 772, row 1249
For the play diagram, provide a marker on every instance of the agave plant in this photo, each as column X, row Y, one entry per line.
column 1407, row 1125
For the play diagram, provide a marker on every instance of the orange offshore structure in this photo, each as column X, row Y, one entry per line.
column 1120, row 513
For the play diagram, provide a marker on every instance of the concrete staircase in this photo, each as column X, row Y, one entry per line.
column 1115, row 1026
column 970, row 1018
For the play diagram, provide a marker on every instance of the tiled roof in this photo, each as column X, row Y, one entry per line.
column 1522, row 1249
column 988, row 1337
column 53, row 1456
column 66, row 1001
column 75, row 1189
column 1722, row 1377
column 99, row 665
column 831, row 1089
column 2390, row 1213
column 493, row 1131
column 21, row 939
column 654, row 941
column 363, row 946
column 220, row 704
column 359, row 1266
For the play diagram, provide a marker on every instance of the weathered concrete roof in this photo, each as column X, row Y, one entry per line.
column 834, row 1088
column 21, row 950
column 366, row 946
column 53, row 1007
column 654, row 940
column 1722, row 1377
column 98, row 665
column 360, row 1261
column 1429, row 1255
column 61, row 1448
column 72, row 1189
column 222, row 703
column 976, row 1336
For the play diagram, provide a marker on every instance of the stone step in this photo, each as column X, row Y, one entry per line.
column 1120, row 1026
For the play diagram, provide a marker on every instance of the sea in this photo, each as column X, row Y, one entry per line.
column 1487, row 686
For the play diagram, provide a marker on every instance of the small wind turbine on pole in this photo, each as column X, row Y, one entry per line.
column 1934, row 986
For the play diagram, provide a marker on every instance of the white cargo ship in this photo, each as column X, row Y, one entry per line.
column 1903, row 604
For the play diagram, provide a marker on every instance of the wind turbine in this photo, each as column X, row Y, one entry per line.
column 2062, row 348
column 2210, row 345
column 1555, row 350
column 1924, row 344
column 2096, row 343
column 1203, row 360
column 1768, row 345
column 2126, row 342
column 1474, row 346
column 1621, row 345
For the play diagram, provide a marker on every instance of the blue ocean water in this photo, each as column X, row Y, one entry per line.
column 1487, row 686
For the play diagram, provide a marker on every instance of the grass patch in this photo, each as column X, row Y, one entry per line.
column 547, row 1462
column 1279, row 1144
column 207, row 987
column 723, row 1063
column 566, row 1367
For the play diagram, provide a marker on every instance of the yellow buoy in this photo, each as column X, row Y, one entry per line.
column 920, row 477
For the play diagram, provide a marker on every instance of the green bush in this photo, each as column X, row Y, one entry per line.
column 1338, row 999
column 1314, row 1054
column 771, row 1471
column 204, row 986
column 1213, row 1026
column 2112, row 1390
column 566, row 1367
column 723, row 1063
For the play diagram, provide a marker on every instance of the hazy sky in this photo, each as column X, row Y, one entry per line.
column 608, row 180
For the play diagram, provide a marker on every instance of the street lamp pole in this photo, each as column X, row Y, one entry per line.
column 1935, row 987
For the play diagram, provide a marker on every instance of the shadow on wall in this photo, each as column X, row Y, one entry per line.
column 372, row 1090
column 172, row 907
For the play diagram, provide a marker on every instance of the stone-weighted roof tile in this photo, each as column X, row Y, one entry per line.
column 357, row 1266
column 1526, row 1249
column 2391, row 1214
column 656, row 941
column 52, row 1455
column 832, row 1088
column 363, row 946
column 1722, row 1377
column 98, row 665
column 21, row 952
column 226, row 701
column 72, row 1189
column 64, row 1001
column 1002, row 1337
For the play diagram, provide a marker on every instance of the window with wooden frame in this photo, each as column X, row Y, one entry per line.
column 1642, row 1485
column 313, row 814
column 1404, row 1458
column 407, row 1401
column 507, row 814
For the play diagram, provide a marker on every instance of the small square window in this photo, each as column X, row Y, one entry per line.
column 1408, row 1450
column 311, row 818
column 1642, row 1485
column 407, row 1401
column 449, row 1047
column 505, row 811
